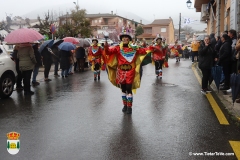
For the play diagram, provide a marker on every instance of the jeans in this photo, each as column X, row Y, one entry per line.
column 56, row 64
column 194, row 53
column 206, row 74
column 35, row 73
column 19, row 76
column 64, row 72
column 70, row 69
column 27, row 79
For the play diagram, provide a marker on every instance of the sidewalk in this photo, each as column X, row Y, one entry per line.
column 225, row 98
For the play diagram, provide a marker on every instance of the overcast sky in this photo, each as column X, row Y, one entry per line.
column 146, row 9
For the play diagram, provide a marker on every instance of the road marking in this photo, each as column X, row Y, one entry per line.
column 218, row 112
column 235, row 146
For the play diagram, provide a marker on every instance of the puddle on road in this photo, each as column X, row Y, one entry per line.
column 164, row 84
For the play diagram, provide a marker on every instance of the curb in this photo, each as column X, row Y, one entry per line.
column 232, row 111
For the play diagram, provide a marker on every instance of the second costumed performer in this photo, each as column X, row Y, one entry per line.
column 123, row 66
column 158, row 57
column 95, row 58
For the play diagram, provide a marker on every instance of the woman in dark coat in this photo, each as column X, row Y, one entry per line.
column 47, row 61
column 64, row 62
column 225, row 55
column 207, row 56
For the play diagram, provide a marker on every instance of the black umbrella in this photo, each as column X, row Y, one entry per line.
column 57, row 42
column 235, row 85
column 45, row 44
column 216, row 75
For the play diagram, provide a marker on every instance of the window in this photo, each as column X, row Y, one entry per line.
column 95, row 21
column 120, row 20
column 99, row 20
column 163, row 30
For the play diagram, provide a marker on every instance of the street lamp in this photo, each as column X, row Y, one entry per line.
column 77, row 6
column 189, row 4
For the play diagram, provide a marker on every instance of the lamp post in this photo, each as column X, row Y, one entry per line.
column 77, row 6
column 189, row 4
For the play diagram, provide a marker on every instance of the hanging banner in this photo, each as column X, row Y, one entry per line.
column 187, row 20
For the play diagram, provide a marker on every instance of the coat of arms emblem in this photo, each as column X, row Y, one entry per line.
column 13, row 142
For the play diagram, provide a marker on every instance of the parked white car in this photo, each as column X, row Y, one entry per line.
column 8, row 73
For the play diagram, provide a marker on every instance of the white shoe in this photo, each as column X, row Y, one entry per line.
column 229, row 91
column 203, row 92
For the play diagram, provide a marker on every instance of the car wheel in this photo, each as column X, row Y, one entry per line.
column 6, row 86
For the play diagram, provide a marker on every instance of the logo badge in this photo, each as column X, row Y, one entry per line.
column 13, row 142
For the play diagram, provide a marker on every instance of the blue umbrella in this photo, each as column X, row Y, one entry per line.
column 66, row 46
column 48, row 43
column 216, row 75
column 235, row 85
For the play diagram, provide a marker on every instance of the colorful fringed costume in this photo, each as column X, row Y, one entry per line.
column 158, row 57
column 96, row 59
column 123, row 65
column 175, row 50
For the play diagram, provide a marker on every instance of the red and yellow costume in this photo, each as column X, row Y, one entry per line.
column 96, row 59
column 123, row 66
column 175, row 50
column 126, row 64
column 158, row 57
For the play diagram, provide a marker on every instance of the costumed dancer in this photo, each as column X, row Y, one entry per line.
column 165, row 52
column 123, row 66
column 95, row 58
column 158, row 56
column 175, row 49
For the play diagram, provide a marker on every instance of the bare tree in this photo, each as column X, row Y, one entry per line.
column 187, row 29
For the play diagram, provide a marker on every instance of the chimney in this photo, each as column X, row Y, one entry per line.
column 141, row 21
column 111, row 12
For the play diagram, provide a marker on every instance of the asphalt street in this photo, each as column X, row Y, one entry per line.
column 77, row 118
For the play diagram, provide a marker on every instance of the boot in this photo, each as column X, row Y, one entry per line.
column 28, row 93
column 124, row 100
column 157, row 73
column 98, row 77
column 124, row 108
column 129, row 103
column 129, row 110
column 160, row 73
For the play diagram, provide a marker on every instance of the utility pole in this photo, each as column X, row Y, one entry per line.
column 179, row 27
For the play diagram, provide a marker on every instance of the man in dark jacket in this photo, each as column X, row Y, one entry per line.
column 36, row 67
column 80, row 56
column 207, row 56
column 213, row 39
column 55, row 58
column 225, row 60
column 47, row 62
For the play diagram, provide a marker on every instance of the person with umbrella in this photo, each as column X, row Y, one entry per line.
column 37, row 65
column 95, row 58
column 207, row 56
column 46, row 53
column 27, row 62
column 56, row 56
column 64, row 55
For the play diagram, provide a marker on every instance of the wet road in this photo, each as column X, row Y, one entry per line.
column 77, row 118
